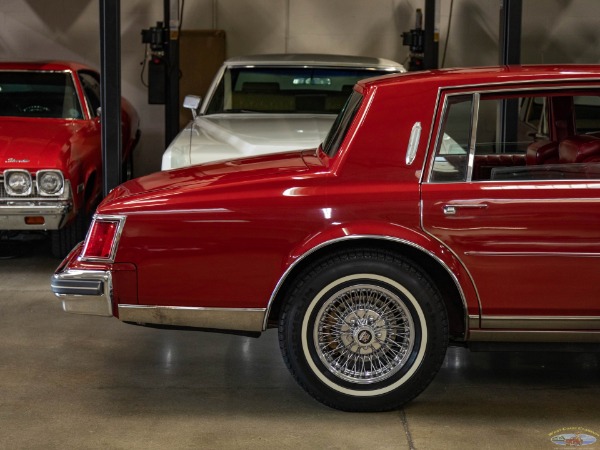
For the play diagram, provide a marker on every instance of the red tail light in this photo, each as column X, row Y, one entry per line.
column 102, row 239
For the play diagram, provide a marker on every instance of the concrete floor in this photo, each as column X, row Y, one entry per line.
column 79, row 382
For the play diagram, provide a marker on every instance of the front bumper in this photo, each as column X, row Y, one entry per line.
column 83, row 291
column 14, row 212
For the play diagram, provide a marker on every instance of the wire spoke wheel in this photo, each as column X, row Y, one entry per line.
column 365, row 334
column 363, row 330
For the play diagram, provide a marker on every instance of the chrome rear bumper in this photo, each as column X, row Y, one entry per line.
column 84, row 291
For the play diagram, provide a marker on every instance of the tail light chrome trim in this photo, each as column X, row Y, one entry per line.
column 116, row 237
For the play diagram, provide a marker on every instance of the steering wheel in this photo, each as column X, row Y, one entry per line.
column 36, row 109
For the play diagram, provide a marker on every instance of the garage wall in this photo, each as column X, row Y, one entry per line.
column 553, row 31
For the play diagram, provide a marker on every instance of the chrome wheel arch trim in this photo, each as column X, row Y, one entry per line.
column 396, row 240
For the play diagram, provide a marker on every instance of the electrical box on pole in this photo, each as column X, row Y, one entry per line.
column 163, row 66
column 423, row 42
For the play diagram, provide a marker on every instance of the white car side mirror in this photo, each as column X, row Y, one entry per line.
column 192, row 102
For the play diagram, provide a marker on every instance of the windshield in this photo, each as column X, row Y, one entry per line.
column 338, row 130
column 286, row 90
column 38, row 94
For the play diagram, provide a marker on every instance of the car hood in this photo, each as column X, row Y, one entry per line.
column 155, row 191
column 227, row 136
column 34, row 143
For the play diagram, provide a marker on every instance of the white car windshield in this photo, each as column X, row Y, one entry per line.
column 286, row 90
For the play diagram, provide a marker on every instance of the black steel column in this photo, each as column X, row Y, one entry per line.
column 511, row 12
column 430, row 58
column 172, row 60
column 509, row 53
column 110, row 89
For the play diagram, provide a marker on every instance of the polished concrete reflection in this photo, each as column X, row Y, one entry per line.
column 70, row 381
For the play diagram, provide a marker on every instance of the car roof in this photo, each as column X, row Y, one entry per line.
column 43, row 65
column 315, row 59
column 473, row 76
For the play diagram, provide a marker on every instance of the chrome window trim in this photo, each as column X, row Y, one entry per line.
column 234, row 319
column 472, row 89
column 113, row 250
column 358, row 237
column 528, row 88
column 432, row 150
column 439, row 133
column 595, row 182
column 473, row 135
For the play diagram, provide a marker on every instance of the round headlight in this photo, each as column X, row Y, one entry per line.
column 50, row 182
column 17, row 182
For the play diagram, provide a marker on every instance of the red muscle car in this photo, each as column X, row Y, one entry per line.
column 451, row 207
column 50, row 153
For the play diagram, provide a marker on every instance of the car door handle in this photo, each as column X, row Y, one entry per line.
column 452, row 209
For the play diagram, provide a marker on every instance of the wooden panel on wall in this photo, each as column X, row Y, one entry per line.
column 201, row 53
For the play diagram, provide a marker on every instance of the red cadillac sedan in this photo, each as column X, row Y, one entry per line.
column 451, row 207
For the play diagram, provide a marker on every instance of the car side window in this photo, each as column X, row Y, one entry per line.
column 452, row 152
column 550, row 135
column 91, row 88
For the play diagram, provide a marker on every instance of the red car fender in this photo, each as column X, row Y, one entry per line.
column 397, row 236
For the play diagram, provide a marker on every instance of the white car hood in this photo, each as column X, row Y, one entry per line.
column 227, row 136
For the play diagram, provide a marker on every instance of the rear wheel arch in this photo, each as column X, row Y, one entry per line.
column 439, row 274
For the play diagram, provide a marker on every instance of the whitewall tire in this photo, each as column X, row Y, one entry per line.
column 363, row 331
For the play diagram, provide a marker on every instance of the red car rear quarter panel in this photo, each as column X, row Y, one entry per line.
column 226, row 252
column 375, row 148
column 231, row 252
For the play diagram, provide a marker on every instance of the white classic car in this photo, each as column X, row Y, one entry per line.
column 268, row 104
